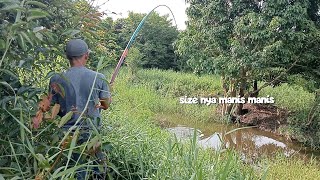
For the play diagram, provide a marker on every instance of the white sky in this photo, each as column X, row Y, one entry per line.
column 122, row 7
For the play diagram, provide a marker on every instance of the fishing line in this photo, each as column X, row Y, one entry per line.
column 134, row 35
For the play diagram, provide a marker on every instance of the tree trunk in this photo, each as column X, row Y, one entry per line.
column 225, row 93
column 255, row 88
column 233, row 93
column 241, row 91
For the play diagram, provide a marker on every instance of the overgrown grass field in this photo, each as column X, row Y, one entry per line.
column 141, row 149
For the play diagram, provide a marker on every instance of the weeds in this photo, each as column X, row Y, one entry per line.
column 142, row 149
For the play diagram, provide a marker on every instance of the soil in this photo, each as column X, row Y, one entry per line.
column 265, row 116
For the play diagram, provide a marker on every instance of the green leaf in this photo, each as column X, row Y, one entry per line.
column 36, row 3
column 50, row 37
column 22, row 130
column 4, row 83
column 65, row 119
column 43, row 162
column 17, row 25
column 71, row 32
column 13, row 7
column 16, row 178
column 21, row 42
column 39, row 36
column 58, row 174
column 36, row 14
column 18, row 121
column 72, row 146
column 9, row 1
column 33, row 38
column 99, row 66
column 27, row 38
column 2, row 44
column 16, row 158
column 92, row 142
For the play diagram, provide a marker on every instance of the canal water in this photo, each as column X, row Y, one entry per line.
column 250, row 142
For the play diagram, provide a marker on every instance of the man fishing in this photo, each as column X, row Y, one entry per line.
column 85, row 93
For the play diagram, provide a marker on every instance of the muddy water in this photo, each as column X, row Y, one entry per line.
column 250, row 142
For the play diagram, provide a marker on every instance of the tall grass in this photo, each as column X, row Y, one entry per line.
column 282, row 167
column 292, row 97
column 172, row 85
column 299, row 103
column 175, row 84
column 141, row 149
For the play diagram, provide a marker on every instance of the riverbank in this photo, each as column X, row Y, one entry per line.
column 141, row 148
column 292, row 100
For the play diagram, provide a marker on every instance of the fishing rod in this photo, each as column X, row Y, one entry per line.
column 135, row 33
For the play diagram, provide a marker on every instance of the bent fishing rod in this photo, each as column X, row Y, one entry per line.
column 134, row 35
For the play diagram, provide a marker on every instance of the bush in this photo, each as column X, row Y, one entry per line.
column 299, row 102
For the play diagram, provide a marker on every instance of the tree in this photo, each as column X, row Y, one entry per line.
column 133, row 62
column 155, row 41
column 241, row 40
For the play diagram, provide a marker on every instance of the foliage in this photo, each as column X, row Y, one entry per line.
column 283, row 168
column 291, row 97
column 133, row 62
column 178, row 84
column 240, row 40
column 304, row 111
column 298, row 101
column 144, row 150
column 32, row 40
column 299, row 79
column 154, row 41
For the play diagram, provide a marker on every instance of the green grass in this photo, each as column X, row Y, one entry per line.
column 299, row 102
column 295, row 98
column 141, row 149
column 292, row 97
column 175, row 84
column 285, row 168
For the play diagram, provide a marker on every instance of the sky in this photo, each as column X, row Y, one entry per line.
column 122, row 7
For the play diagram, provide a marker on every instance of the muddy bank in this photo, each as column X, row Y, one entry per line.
column 264, row 116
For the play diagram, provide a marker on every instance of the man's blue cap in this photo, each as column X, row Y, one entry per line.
column 76, row 47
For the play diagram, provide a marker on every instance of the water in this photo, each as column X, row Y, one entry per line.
column 250, row 142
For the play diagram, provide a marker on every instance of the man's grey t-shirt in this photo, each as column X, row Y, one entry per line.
column 76, row 85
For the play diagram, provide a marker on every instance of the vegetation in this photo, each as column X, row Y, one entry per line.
column 155, row 42
column 141, row 149
column 32, row 40
column 298, row 101
column 243, row 40
column 294, row 168
column 131, row 129
column 273, row 45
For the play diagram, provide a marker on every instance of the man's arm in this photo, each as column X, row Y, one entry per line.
column 104, row 95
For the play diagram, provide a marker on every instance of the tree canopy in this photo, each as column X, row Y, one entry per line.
column 155, row 41
column 242, row 40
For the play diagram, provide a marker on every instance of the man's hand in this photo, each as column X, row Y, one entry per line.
column 104, row 103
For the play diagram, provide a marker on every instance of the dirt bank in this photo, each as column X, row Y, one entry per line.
column 266, row 117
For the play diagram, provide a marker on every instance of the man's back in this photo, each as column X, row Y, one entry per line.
column 77, row 83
